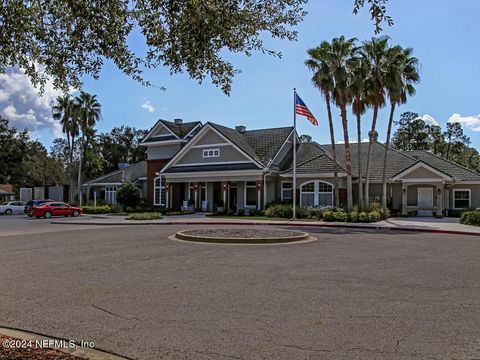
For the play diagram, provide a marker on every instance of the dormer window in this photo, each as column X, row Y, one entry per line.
column 207, row 153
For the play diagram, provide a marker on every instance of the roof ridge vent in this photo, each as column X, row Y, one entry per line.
column 178, row 121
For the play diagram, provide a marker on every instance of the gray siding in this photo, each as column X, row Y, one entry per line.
column 162, row 151
column 227, row 154
column 211, row 138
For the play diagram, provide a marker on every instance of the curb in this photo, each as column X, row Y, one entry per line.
column 337, row 225
column 84, row 353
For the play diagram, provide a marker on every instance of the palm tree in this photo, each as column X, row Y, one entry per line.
column 65, row 111
column 402, row 75
column 89, row 112
column 359, row 107
column 319, row 63
column 374, row 55
column 343, row 55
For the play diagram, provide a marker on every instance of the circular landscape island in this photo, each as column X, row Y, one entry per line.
column 242, row 236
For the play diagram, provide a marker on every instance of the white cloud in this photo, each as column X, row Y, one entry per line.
column 469, row 122
column 428, row 119
column 21, row 104
column 147, row 105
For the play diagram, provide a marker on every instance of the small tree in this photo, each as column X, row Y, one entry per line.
column 129, row 195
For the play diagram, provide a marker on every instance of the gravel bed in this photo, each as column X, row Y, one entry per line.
column 243, row 233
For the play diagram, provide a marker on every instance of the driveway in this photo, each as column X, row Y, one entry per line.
column 353, row 294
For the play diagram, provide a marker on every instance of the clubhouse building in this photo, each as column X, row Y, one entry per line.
column 212, row 167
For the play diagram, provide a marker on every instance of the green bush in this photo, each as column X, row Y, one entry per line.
column 374, row 216
column 241, row 212
column 363, row 217
column 230, row 212
column 145, row 216
column 105, row 209
column 340, row 216
column 470, row 218
column 329, row 215
column 280, row 211
column 129, row 195
column 252, row 212
column 352, row 216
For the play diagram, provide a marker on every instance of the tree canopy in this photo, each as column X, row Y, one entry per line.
column 67, row 39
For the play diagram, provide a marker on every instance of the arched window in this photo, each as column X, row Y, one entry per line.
column 159, row 191
column 316, row 193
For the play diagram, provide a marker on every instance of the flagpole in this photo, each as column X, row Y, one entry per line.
column 294, row 182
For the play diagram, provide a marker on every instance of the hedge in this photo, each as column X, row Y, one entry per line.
column 470, row 218
column 104, row 209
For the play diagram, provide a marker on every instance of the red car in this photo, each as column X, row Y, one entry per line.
column 49, row 209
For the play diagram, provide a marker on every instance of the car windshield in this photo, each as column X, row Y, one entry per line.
column 5, row 203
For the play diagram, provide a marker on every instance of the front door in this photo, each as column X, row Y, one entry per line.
column 425, row 197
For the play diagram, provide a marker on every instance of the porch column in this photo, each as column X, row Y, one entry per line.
column 225, row 185
column 259, row 194
column 195, row 195
column 167, row 194
column 439, row 195
column 404, row 199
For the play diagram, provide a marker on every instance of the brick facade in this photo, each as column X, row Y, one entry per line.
column 153, row 166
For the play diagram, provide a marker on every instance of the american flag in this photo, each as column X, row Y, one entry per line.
column 302, row 109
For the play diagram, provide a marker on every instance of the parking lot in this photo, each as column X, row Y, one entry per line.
column 349, row 295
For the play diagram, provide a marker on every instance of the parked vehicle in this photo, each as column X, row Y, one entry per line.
column 49, row 209
column 28, row 206
column 12, row 207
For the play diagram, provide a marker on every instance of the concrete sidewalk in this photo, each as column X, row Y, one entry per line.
column 445, row 225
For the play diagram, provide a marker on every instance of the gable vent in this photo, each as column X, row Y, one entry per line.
column 241, row 129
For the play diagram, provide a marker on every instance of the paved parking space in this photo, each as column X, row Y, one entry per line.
column 350, row 295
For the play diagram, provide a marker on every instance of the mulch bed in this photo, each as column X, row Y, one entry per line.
column 32, row 353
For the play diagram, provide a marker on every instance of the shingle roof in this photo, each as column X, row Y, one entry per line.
column 3, row 192
column 182, row 129
column 131, row 174
column 397, row 161
column 261, row 145
column 456, row 171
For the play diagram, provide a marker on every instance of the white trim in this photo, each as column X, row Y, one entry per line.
column 469, row 198
column 197, row 137
column 159, row 122
column 217, row 174
column 210, row 145
column 103, row 184
column 281, row 189
column 199, row 124
column 281, row 147
column 215, row 153
column 162, row 200
column 459, row 182
column 213, row 163
column 165, row 142
column 245, row 194
column 316, row 191
column 423, row 180
column 417, row 166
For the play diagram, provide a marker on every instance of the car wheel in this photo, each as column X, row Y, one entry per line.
column 8, row 212
column 76, row 213
column 47, row 215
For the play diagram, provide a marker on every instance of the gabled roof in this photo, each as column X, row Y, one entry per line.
column 178, row 131
column 456, row 171
column 262, row 144
column 418, row 165
column 131, row 174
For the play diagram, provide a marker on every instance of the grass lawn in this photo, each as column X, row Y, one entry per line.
column 145, row 216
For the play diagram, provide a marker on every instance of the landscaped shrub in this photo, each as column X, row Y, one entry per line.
column 470, row 218
column 129, row 195
column 105, row 209
column 241, row 212
column 230, row 212
column 352, row 216
column 374, row 216
column 145, row 216
column 280, row 211
column 252, row 212
column 363, row 217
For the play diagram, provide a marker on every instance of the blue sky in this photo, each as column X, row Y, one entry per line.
column 444, row 36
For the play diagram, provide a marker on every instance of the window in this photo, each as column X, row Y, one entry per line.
column 211, row 153
column 461, row 199
column 307, row 194
column 316, row 193
column 250, row 194
column 111, row 194
column 286, row 191
column 159, row 191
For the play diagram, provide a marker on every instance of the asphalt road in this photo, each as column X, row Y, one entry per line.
column 350, row 295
